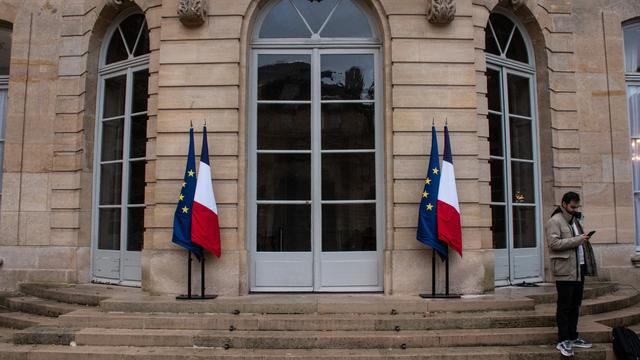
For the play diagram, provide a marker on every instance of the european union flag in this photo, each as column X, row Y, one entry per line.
column 182, row 217
column 427, row 214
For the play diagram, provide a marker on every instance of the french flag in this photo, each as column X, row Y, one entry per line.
column 449, row 228
column 205, row 229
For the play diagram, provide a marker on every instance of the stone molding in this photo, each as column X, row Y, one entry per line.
column 115, row 3
column 441, row 11
column 192, row 13
column 515, row 4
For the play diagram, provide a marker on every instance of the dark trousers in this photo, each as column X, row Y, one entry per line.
column 568, row 308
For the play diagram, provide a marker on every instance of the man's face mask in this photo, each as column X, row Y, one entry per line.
column 573, row 209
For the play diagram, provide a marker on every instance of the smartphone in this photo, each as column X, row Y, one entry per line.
column 590, row 234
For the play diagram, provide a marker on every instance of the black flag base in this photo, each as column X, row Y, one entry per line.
column 196, row 297
column 440, row 296
column 202, row 295
column 433, row 294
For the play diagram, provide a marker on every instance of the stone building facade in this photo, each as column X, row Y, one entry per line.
column 576, row 123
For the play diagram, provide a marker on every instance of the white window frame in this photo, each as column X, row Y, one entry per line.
column 127, row 68
column 504, row 67
column 4, row 86
column 315, row 47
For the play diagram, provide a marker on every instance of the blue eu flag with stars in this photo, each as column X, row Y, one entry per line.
column 427, row 219
column 182, row 217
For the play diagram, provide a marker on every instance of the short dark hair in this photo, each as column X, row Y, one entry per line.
column 569, row 197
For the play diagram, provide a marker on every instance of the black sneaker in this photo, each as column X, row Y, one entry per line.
column 581, row 343
column 565, row 348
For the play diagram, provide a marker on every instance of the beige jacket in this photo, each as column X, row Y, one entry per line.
column 563, row 249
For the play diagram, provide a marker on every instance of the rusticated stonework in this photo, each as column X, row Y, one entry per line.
column 115, row 3
column 192, row 13
column 441, row 11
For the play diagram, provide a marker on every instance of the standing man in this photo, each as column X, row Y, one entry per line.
column 572, row 259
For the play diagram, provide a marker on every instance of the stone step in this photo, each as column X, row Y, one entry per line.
column 321, row 304
column 20, row 320
column 598, row 352
column 546, row 293
column 38, row 306
column 624, row 317
column 623, row 298
column 305, row 322
column 64, row 293
column 300, row 339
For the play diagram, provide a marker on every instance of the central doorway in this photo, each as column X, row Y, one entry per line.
column 315, row 162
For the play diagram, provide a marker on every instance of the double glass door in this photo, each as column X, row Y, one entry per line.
column 315, row 183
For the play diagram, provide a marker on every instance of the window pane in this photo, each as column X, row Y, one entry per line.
column 347, row 77
column 136, row 182
column 130, row 28
column 284, row 77
column 637, row 200
column 348, row 126
column 494, row 90
column 347, row 21
column 633, row 93
column 143, row 43
column 632, row 48
column 498, row 226
column 1, row 162
column 5, row 50
column 635, row 161
column 517, row 48
column 283, row 21
column 3, row 111
column 115, row 90
column 135, row 229
column 524, row 227
column 495, row 135
column 497, row 180
column 315, row 13
column 349, row 227
column 284, row 177
column 138, row 137
column 284, row 127
column 112, row 138
column 348, row 176
column 284, row 228
column 116, row 51
column 519, row 96
column 521, row 147
column 490, row 42
column 140, row 91
column 109, row 229
column 110, row 184
column 502, row 27
column 522, row 182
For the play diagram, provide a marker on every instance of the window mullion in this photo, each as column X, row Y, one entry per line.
column 316, row 165
column 125, row 165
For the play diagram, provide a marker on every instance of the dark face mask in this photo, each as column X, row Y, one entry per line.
column 576, row 214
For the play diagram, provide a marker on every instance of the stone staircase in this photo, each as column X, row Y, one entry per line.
column 101, row 322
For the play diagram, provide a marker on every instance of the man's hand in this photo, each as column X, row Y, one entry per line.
column 585, row 237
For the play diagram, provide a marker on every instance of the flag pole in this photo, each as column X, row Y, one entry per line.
column 446, row 281
column 433, row 273
column 202, row 278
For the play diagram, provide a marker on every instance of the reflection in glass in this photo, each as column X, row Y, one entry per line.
column 315, row 13
column 284, row 228
column 497, row 180
column 522, row 182
column 136, row 182
column 348, row 126
column 498, row 226
column 495, row 135
column 284, row 127
column 517, row 48
column 112, row 139
column 637, row 201
column 284, row 77
column 521, row 147
column 284, row 177
column 347, row 77
column 347, row 21
column 135, row 228
column 519, row 96
column 110, row 184
column 349, row 227
column 5, row 49
column 635, row 163
column 283, row 21
column 140, row 91
column 493, row 90
column 109, row 229
column 115, row 89
column 633, row 94
column 632, row 48
column 524, row 227
column 138, row 137
column 348, row 176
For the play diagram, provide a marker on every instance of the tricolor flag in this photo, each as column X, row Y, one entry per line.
column 182, row 216
column 449, row 228
column 205, row 229
column 427, row 213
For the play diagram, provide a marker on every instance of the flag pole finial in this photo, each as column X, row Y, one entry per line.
column 433, row 121
column 191, row 123
column 446, row 122
column 205, row 122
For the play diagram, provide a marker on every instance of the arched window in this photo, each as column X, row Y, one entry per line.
column 315, row 153
column 515, row 195
column 120, row 153
column 632, row 76
column 5, row 60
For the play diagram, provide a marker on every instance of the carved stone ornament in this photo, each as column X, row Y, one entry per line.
column 192, row 13
column 517, row 3
column 635, row 260
column 116, row 3
column 441, row 11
